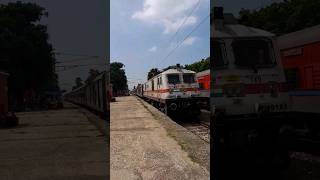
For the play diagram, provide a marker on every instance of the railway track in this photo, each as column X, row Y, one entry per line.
column 200, row 129
column 199, row 126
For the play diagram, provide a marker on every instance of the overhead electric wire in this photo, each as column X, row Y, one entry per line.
column 80, row 65
column 75, row 54
column 185, row 20
column 74, row 60
column 179, row 44
column 69, row 67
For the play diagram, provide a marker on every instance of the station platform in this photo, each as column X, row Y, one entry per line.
column 146, row 144
column 57, row 145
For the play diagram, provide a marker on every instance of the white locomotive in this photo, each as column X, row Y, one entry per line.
column 246, row 74
column 174, row 89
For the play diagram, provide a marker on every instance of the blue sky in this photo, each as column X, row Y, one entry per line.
column 142, row 32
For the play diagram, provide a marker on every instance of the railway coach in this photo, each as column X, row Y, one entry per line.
column 173, row 90
column 300, row 53
column 94, row 95
column 203, row 79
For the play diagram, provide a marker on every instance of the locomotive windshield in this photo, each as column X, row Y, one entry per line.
column 253, row 52
column 173, row 78
column 188, row 78
column 217, row 52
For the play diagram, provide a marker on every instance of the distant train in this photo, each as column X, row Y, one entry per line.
column 94, row 95
column 173, row 90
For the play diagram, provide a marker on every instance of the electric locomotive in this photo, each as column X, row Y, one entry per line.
column 173, row 90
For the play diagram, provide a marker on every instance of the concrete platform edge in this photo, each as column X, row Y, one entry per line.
column 101, row 124
column 197, row 149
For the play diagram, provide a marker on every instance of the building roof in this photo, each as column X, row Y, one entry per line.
column 299, row 38
column 238, row 30
column 203, row 73
column 173, row 70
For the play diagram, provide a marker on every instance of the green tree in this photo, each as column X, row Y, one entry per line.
column 153, row 72
column 283, row 17
column 24, row 50
column 78, row 82
column 93, row 73
column 199, row 66
column 118, row 77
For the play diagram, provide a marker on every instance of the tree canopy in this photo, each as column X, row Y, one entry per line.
column 153, row 72
column 118, row 77
column 199, row 66
column 93, row 73
column 25, row 52
column 78, row 83
column 283, row 17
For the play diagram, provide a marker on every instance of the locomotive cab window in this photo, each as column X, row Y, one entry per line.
column 253, row 52
column 173, row 78
column 188, row 78
column 218, row 51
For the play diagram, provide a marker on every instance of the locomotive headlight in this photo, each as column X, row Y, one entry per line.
column 174, row 90
column 235, row 90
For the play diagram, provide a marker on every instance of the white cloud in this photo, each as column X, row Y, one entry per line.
column 189, row 40
column 153, row 49
column 169, row 13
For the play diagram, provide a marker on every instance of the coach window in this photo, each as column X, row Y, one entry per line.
column 152, row 85
column 160, row 80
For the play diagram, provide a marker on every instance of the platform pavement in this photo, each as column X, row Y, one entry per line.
column 56, row 145
column 142, row 148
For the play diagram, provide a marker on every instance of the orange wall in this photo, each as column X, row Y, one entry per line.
column 307, row 63
column 205, row 80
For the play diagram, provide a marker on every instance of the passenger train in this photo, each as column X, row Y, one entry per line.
column 94, row 95
column 247, row 74
column 173, row 90
column 249, row 97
